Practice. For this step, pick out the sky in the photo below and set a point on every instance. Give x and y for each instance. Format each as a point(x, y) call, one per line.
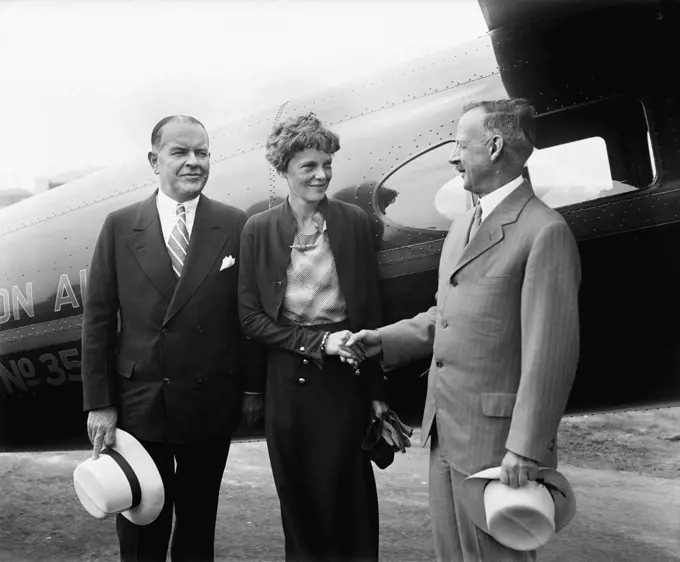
point(84, 83)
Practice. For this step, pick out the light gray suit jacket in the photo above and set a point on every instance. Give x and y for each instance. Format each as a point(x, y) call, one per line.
point(505, 334)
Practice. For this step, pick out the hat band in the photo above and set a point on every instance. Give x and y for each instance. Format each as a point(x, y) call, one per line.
point(550, 487)
point(129, 474)
point(547, 485)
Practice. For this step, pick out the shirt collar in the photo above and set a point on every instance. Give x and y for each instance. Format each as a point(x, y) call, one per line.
point(492, 200)
point(167, 205)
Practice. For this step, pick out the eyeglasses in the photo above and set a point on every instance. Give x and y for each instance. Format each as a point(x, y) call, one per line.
point(460, 145)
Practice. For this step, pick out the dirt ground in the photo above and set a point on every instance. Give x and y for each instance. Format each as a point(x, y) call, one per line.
point(644, 442)
point(624, 468)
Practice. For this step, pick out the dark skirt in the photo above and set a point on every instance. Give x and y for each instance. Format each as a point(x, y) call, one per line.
point(315, 421)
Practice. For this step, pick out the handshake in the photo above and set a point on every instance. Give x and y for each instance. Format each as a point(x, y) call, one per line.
point(353, 348)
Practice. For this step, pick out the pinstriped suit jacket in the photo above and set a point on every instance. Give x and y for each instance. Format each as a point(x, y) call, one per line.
point(505, 335)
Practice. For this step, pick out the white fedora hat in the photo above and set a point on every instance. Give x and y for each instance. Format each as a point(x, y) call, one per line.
point(520, 518)
point(124, 479)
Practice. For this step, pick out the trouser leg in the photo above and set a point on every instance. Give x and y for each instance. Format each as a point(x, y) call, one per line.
point(456, 537)
point(447, 541)
point(198, 477)
point(149, 543)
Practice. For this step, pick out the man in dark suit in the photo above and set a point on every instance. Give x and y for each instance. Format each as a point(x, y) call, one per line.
point(504, 333)
point(163, 354)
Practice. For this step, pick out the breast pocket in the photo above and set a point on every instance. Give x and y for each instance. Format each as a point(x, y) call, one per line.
point(224, 272)
point(222, 281)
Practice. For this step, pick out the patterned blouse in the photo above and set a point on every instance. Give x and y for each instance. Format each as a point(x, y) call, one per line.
point(313, 293)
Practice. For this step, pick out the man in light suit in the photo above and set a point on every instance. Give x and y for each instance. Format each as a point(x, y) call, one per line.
point(504, 332)
point(163, 354)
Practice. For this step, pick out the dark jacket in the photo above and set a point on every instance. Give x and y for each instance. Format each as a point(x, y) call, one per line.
point(265, 252)
point(168, 353)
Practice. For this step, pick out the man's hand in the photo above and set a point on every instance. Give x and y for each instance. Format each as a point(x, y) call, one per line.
point(252, 409)
point(380, 408)
point(516, 470)
point(367, 343)
point(101, 428)
point(335, 345)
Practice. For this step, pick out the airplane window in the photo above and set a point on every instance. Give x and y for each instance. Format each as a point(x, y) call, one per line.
point(573, 172)
point(423, 193)
point(591, 151)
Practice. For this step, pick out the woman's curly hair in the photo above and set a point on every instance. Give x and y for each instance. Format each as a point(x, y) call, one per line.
point(296, 134)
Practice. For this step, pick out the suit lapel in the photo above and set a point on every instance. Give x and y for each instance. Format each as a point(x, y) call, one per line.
point(491, 231)
point(205, 245)
point(148, 248)
point(455, 243)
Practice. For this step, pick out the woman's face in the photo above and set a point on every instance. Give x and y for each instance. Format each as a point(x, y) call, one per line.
point(308, 174)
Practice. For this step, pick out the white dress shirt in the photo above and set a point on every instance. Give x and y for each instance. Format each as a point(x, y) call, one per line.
point(490, 201)
point(167, 212)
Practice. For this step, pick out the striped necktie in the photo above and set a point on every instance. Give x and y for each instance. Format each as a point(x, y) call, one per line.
point(476, 221)
point(178, 243)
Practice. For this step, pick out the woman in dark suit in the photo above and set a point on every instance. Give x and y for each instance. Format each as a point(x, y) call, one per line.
point(308, 276)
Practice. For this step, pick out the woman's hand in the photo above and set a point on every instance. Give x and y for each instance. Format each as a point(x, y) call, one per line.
point(380, 408)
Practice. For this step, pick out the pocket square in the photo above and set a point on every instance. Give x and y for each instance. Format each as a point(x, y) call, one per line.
point(227, 262)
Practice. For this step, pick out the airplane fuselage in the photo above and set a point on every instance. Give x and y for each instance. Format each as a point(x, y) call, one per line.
point(396, 130)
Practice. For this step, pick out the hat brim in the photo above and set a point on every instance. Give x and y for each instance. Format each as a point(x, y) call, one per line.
point(153, 491)
point(473, 495)
point(85, 500)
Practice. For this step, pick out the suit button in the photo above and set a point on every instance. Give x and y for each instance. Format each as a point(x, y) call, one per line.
point(305, 361)
point(439, 364)
point(199, 380)
point(166, 380)
point(301, 380)
point(454, 283)
point(444, 323)
point(199, 329)
point(164, 332)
